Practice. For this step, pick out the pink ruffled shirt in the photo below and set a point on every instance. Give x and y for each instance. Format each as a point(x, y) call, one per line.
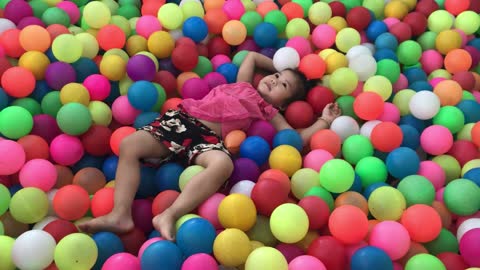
point(236, 106)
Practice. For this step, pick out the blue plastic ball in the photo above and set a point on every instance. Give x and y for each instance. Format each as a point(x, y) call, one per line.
point(290, 137)
point(386, 41)
point(420, 86)
point(154, 234)
point(370, 257)
point(145, 118)
point(85, 67)
point(109, 167)
point(474, 175)
point(195, 28)
point(375, 29)
point(471, 110)
point(14, 188)
point(229, 71)
point(196, 235)
point(385, 54)
point(402, 162)
point(371, 188)
point(88, 161)
point(147, 185)
point(163, 254)
point(108, 244)
point(41, 89)
point(142, 95)
point(167, 176)
point(114, 93)
point(255, 148)
point(265, 35)
point(411, 137)
point(415, 74)
point(411, 120)
point(3, 99)
point(281, 43)
point(475, 43)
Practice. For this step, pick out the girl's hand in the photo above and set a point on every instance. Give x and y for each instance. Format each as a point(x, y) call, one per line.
point(331, 112)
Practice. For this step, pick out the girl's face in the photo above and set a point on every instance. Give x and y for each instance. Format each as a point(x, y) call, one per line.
point(277, 88)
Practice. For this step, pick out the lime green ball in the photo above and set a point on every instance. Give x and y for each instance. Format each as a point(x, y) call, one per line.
point(402, 100)
point(39, 7)
point(100, 112)
point(424, 261)
point(388, 69)
point(239, 57)
point(380, 85)
point(305, 4)
point(468, 21)
point(2, 229)
point(185, 218)
point(462, 197)
point(343, 81)
point(129, 11)
point(427, 40)
point(51, 103)
point(54, 15)
point(376, 6)
point(417, 190)
point(112, 5)
point(347, 38)
point(466, 132)
point(371, 170)
point(346, 105)
point(409, 52)
point(251, 19)
point(30, 104)
point(66, 48)
point(356, 147)
point(261, 232)
point(440, 73)
point(445, 242)
point(203, 67)
point(6, 245)
point(337, 175)
point(4, 199)
point(192, 9)
point(74, 118)
point(323, 194)
point(386, 203)
point(15, 122)
point(297, 27)
point(466, 95)
point(76, 251)
point(162, 96)
point(187, 175)
point(450, 117)
point(170, 16)
point(29, 205)
point(440, 20)
point(96, 15)
point(289, 223)
point(303, 180)
point(450, 165)
point(278, 19)
point(349, 4)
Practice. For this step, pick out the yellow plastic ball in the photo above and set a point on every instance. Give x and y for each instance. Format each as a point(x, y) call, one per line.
point(116, 51)
point(96, 14)
point(74, 92)
point(472, 164)
point(67, 48)
point(380, 85)
point(136, 44)
point(89, 43)
point(319, 13)
point(187, 175)
point(325, 53)
point(237, 211)
point(402, 100)
point(335, 61)
point(232, 247)
point(303, 180)
point(110, 184)
point(185, 218)
point(101, 113)
point(347, 38)
point(170, 16)
point(468, 21)
point(113, 67)
point(386, 203)
point(192, 9)
point(411, 4)
point(450, 165)
point(35, 61)
point(447, 41)
point(261, 231)
point(6, 245)
point(124, 84)
point(234, 32)
point(338, 23)
point(29, 205)
point(396, 9)
point(285, 158)
point(266, 258)
point(289, 223)
point(466, 132)
point(256, 244)
point(297, 27)
point(161, 44)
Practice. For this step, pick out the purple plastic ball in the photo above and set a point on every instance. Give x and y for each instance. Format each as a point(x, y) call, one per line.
point(268, 52)
point(16, 10)
point(214, 79)
point(262, 129)
point(30, 21)
point(248, 45)
point(195, 88)
point(166, 64)
point(45, 126)
point(244, 169)
point(141, 68)
point(59, 74)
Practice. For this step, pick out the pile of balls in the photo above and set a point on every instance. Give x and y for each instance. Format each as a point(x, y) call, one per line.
point(393, 184)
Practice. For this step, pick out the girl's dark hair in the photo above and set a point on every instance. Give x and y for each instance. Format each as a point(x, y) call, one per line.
point(303, 86)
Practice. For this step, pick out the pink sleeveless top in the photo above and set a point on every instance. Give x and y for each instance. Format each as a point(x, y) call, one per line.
point(234, 105)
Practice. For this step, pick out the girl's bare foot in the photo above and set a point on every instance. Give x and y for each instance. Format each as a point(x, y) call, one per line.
point(111, 222)
point(165, 224)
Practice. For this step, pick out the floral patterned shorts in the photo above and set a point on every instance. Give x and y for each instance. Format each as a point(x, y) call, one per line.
point(184, 135)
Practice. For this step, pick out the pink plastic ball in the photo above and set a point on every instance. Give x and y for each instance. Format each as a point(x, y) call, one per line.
point(323, 36)
point(476, 94)
point(71, 9)
point(219, 60)
point(400, 84)
point(290, 251)
point(391, 237)
point(12, 157)
point(262, 128)
point(390, 22)
point(214, 79)
point(351, 249)
point(300, 44)
point(122, 261)
point(433, 172)
point(16, 10)
point(390, 113)
point(98, 86)
point(433, 82)
point(195, 88)
point(363, 37)
point(470, 247)
point(234, 9)
point(397, 266)
point(358, 90)
point(147, 244)
point(439, 194)
point(316, 158)
point(306, 262)
point(30, 21)
point(436, 140)
point(147, 24)
point(60, 144)
point(45, 126)
point(431, 60)
point(123, 112)
point(39, 173)
point(209, 209)
point(200, 261)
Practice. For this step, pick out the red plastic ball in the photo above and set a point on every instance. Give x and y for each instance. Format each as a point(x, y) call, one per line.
point(277, 175)
point(111, 37)
point(417, 22)
point(60, 228)
point(292, 10)
point(133, 240)
point(218, 45)
point(10, 41)
point(184, 57)
point(474, 6)
point(338, 9)
point(202, 50)
point(71, 202)
point(184, 41)
point(18, 82)
point(151, 7)
point(163, 200)
point(426, 7)
point(422, 222)
point(167, 80)
point(35, 147)
point(358, 18)
point(341, 220)
point(452, 261)
point(267, 195)
point(102, 202)
point(96, 141)
point(318, 97)
point(171, 103)
point(317, 211)
point(456, 7)
point(464, 151)
point(326, 139)
point(466, 79)
point(312, 66)
point(368, 105)
point(330, 251)
point(118, 135)
point(402, 31)
point(299, 114)
point(386, 136)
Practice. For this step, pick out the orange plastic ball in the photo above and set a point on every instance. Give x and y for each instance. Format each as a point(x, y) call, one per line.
point(234, 139)
point(118, 135)
point(457, 60)
point(475, 132)
point(111, 37)
point(102, 202)
point(90, 178)
point(340, 224)
point(71, 202)
point(170, 104)
point(352, 198)
point(18, 82)
point(292, 10)
point(35, 147)
point(35, 38)
point(449, 92)
point(64, 176)
point(215, 20)
point(326, 139)
point(456, 7)
point(422, 222)
point(312, 66)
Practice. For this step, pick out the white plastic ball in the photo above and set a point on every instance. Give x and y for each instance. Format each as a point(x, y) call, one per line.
point(357, 50)
point(33, 250)
point(176, 34)
point(424, 105)
point(370, 46)
point(345, 126)
point(367, 127)
point(467, 225)
point(51, 195)
point(243, 187)
point(364, 65)
point(6, 24)
point(285, 58)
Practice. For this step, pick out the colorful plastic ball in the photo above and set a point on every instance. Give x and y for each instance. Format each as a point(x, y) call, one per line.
point(306, 262)
point(74, 118)
point(202, 260)
point(123, 111)
point(268, 194)
point(71, 202)
point(300, 44)
point(246, 212)
point(142, 95)
point(312, 66)
point(409, 187)
point(447, 41)
point(457, 60)
point(18, 82)
point(96, 15)
point(72, 143)
point(339, 183)
point(29, 205)
point(66, 48)
point(347, 38)
point(300, 114)
point(265, 35)
point(98, 86)
point(323, 36)
point(187, 175)
point(102, 202)
point(76, 250)
point(329, 250)
point(184, 58)
point(41, 244)
point(368, 105)
point(371, 257)
point(255, 148)
point(289, 223)
point(122, 260)
point(391, 237)
point(39, 34)
point(433, 172)
point(60, 228)
point(232, 247)
point(286, 58)
point(343, 81)
point(38, 173)
point(196, 236)
point(469, 247)
point(385, 130)
point(402, 162)
point(59, 74)
point(423, 261)
point(234, 32)
point(467, 21)
point(460, 197)
point(303, 180)
point(195, 28)
point(89, 178)
point(16, 122)
point(436, 140)
point(267, 258)
point(424, 105)
point(285, 158)
point(425, 217)
point(74, 92)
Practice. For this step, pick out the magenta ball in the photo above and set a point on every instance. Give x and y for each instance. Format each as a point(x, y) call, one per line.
point(214, 79)
point(60, 144)
point(436, 140)
point(431, 60)
point(200, 261)
point(209, 209)
point(71, 9)
point(38, 173)
point(195, 88)
point(12, 157)
point(147, 244)
point(316, 158)
point(248, 45)
point(30, 21)
point(433, 82)
point(390, 113)
point(300, 44)
point(142, 215)
point(323, 36)
point(244, 169)
point(146, 25)
point(263, 129)
point(141, 68)
point(45, 126)
point(219, 60)
point(401, 83)
point(122, 261)
point(234, 9)
point(391, 237)
point(474, 53)
point(290, 251)
point(59, 74)
point(433, 172)
point(306, 262)
point(470, 247)
point(123, 112)
point(16, 10)
point(98, 86)
point(397, 266)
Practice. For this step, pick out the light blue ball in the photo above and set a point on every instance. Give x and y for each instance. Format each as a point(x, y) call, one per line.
point(142, 95)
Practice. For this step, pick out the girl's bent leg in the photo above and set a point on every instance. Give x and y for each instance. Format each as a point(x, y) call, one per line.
point(140, 144)
point(218, 168)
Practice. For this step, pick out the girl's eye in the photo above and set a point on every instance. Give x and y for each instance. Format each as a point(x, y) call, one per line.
point(285, 85)
point(277, 75)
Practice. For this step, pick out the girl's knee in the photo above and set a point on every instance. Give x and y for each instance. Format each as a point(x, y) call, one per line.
point(130, 145)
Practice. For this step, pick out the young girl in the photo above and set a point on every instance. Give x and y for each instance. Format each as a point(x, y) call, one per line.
point(195, 132)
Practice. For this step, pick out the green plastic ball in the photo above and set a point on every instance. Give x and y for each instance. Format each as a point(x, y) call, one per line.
point(162, 96)
point(29, 205)
point(278, 19)
point(417, 190)
point(51, 103)
point(337, 175)
point(424, 261)
point(409, 52)
point(251, 19)
point(427, 40)
point(450, 165)
point(356, 147)
point(450, 117)
point(305, 4)
point(15, 122)
point(445, 242)
point(4, 199)
point(54, 15)
point(323, 194)
point(203, 67)
point(39, 7)
point(345, 103)
point(462, 197)
point(371, 170)
point(30, 104)
point(239, 57)
point(128, 11)
point(389, 69)
point(74, 118)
